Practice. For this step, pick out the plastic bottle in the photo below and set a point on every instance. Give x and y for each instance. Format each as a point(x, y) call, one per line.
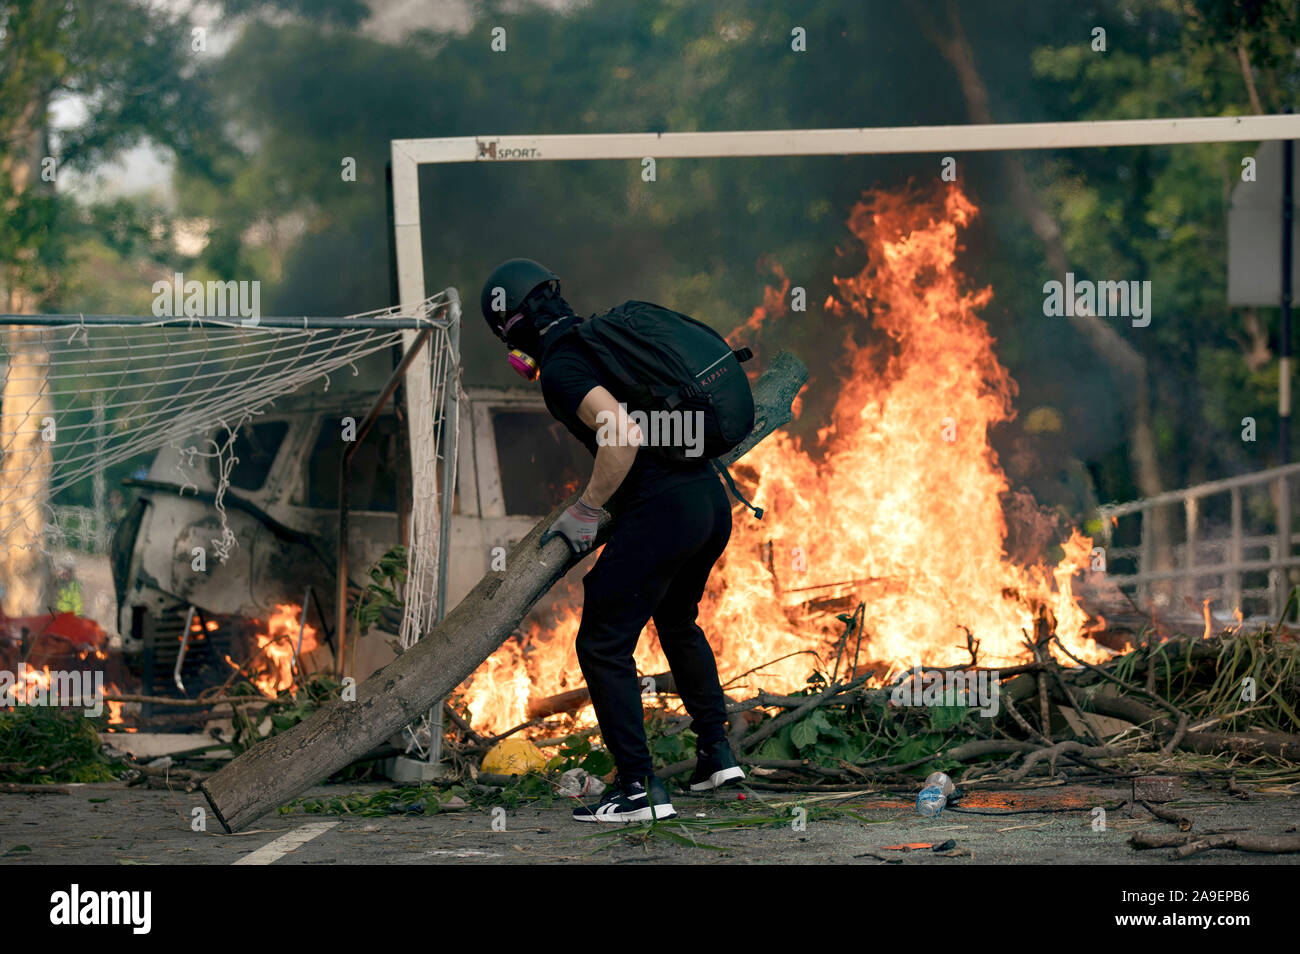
point(934, 796)
point(943, 781)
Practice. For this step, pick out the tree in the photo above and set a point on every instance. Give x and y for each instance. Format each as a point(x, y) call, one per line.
point(139, 72)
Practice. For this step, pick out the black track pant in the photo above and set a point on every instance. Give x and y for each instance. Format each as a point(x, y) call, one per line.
point(654, 565)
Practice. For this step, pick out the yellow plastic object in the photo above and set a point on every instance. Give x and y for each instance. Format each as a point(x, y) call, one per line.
point(513, 757)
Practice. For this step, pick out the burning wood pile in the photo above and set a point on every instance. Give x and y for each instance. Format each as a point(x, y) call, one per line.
point(48, 737)
point(217, 658)
point(883, 570)
point(1218, 707)
point(899, 503)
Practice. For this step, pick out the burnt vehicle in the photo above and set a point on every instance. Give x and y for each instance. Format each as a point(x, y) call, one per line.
point(187, 619)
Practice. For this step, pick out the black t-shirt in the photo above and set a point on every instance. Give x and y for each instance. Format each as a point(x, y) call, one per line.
point(568, 373)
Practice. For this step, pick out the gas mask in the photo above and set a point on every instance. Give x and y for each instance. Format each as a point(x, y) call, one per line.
point(523, 331)
point(520, 333)
point(523, 365)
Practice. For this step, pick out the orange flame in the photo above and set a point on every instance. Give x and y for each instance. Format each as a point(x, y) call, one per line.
point(272, 670)
point(897, 504)
point(773, 307)
point(30, 684)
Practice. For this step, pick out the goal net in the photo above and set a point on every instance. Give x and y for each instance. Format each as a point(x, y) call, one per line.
point(86, 400)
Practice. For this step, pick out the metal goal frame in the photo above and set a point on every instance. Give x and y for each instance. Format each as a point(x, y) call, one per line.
point(408, 155)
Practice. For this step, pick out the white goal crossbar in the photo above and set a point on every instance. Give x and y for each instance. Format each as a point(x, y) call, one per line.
point(409, 154)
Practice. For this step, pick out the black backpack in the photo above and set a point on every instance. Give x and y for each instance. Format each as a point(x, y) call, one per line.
point(667, 361)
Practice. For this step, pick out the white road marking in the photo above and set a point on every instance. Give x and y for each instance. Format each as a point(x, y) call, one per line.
point(286, 843)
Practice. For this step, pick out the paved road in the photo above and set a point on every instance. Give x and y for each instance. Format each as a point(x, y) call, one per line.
point(112, 824)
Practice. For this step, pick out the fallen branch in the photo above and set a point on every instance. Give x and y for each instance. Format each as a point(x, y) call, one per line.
point(1090, 727)
point(1058, 749)
point(1279, 745)
point(1187, 845)
point(966, 752)
point(575, 699)
point(777, 724)
point(796, 765)
point(190, 703)
point(1176, 739)
point(1260, 844)
point(768, 700)
point(1120, 682)
point(782, 787)
point(1167, 814)
point(461, 724)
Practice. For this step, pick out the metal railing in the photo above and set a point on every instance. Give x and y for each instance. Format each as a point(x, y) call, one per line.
point(1186, 568)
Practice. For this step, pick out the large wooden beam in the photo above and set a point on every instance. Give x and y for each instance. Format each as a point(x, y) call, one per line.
point(282, 767)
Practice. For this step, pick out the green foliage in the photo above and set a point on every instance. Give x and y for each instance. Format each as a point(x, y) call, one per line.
point(429, 799)
point(284, 713)
point(406, 800)
point(834, 736)
point(44, 745)
point(577, 752)
point(54, 50)
point(1215, 689)
point(380, 594)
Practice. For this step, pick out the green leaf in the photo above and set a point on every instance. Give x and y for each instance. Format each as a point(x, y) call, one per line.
point(575, 747)
point(804, 734)
point(598, 763)
point(846, 749)
point(917, 747)
point(687, 839)
point(669, 748)
point(825, 727)
point(943, 718)
point(777, 747)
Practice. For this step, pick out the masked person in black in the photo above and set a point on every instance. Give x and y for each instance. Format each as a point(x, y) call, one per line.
point(674, 521)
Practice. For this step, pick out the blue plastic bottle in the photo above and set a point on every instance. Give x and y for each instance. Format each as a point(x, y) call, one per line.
point(934, 796)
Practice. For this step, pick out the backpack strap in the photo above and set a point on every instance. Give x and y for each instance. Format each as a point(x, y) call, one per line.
point(731, 485)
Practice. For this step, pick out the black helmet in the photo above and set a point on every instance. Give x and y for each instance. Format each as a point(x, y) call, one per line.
point(518, 278)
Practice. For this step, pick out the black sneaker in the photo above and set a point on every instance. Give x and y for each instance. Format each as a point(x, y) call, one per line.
point(715, 768)
point(625, 802)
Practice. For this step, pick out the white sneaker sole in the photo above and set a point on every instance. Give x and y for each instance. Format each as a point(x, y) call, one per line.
point(718, 778)
point(657, 813)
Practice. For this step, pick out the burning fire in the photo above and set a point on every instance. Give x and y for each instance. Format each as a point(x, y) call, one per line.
point(897, 505)
point(30, 683)
point(272, 669)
